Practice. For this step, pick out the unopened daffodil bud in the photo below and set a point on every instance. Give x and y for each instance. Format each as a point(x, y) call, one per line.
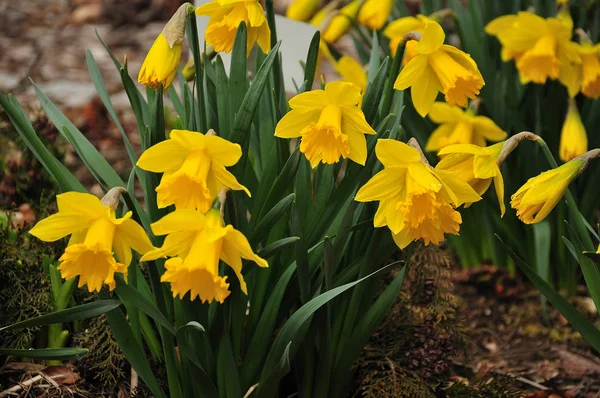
point(341, 23)
point(540, 194)
point(302, 10)
point(573, 138)
point(161, 63)
point(375, 13)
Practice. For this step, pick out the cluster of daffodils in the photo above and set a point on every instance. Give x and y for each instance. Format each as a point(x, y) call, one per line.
point(194, 173)
point(542, 50)
point(416, 200)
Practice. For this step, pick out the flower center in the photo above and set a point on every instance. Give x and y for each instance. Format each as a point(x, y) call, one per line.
point(540, 62)
point(324, 140)
point(187, 188)
point(458, 83)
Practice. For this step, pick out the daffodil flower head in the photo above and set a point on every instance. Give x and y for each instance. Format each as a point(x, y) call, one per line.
point(341, 22)
point(460, 127)
point(396, 30)
point(541, 47)
point(573, 138)
point(439, 67)
point(374, 13)
point(225, 18)
point(161, 62)
point(96, 234)
point(196, 242)
point(590, 68)
point(302, 10)
point(540, 194)
point(475, 165)
point(416, 202)
point(194, 169)
point(329, 124)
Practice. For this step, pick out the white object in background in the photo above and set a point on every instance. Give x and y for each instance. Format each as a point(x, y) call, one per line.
point(295, 39)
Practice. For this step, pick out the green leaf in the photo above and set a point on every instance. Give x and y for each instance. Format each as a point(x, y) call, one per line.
point(291, 329)
point(364, 329)
point(271, 381)
point(311, 60)
point(575, 318)
point(375, 59)
point(60, 354)
point(131, 348)
point(227, 371)
point(96, 76)
point(83, 311)
point(132, 296)
point(243, 119)
point(542, 237)
point(278, 245)
point(63, 177)
point(93, 160)
point(238, 75)
point(374, 92)
point(271, 218)
point(204, 382)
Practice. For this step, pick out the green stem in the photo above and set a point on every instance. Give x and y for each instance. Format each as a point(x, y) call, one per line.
point(195, 47)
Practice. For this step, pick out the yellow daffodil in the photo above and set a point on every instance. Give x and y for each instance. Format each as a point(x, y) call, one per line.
point(460, 127)
point(415, 201)
point(540, 194)
point(397, 29)
point(194, 169)
point(590, 69)
point(573, 138)
point(96, 233)
point(226, 16)
point(196, 242)
point(540, 47)
point(162, 61)
point(475, 165)
point(341, 22)
point(302, 10)
point(439, 67)
point(329, 123)
point(374, 13)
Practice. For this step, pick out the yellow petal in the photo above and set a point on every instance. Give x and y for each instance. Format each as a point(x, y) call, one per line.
point(179, 220)
point(411, 73)
point(424, 176)
point(122, 250)
point(385, 184)
point(231, 257)
point(353, 119)
point(175, 244)
point(315, 99)
point(424, 91)
point(264, 38)
point(351, 71)
point(134, 236)
point(293, 122)
point(188, 139)
point(238, 241)
point(464, 148)
point(459, 191)
point(432, 38)
point(84, 204)
point(441, 112)
point(222, 151)
point(358, 147)
point(499, 187)
point(342, 93)
point(58, 226)
point(164, 157)
point(392, 153)
point(225, 178)
point(488, 129)
point(402, 239)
